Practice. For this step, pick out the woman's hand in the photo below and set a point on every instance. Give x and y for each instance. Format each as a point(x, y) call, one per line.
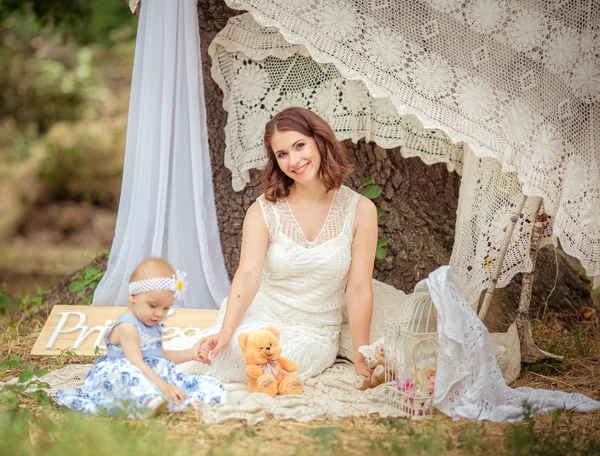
point(211, 345)
point(361, 368)
point(173, 392)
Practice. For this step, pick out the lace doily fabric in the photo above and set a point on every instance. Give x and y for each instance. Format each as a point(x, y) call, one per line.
point(261, 73)
point(488, 199)
point(515, 81)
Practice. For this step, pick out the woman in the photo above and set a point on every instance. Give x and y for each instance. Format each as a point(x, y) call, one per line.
point(308, 249)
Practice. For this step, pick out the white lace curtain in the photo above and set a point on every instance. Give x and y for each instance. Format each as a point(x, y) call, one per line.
point(510, 87)
point(167, 203)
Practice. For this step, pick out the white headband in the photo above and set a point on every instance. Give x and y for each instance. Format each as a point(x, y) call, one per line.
point(177, 284)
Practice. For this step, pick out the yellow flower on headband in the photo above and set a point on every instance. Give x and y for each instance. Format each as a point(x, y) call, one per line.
point(180, 284)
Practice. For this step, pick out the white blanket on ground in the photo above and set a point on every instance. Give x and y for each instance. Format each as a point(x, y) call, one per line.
point(332, 394)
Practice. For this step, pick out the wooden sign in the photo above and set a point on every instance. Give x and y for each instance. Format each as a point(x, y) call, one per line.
point(81, 329)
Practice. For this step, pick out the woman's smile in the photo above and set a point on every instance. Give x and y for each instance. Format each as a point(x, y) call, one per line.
point(299, 171)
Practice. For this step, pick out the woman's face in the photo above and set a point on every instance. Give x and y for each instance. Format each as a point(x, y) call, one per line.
point(297, 155)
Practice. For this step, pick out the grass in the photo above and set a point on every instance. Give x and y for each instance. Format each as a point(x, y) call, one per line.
point(56, 432)
point(34, 425)
point(46, 433)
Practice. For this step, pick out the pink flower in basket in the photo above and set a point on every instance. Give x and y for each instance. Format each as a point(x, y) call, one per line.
point(405, 384)
point(431, 383)
point(420, 394)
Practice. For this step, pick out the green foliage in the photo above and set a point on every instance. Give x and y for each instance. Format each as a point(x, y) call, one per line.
point(84, 20)
point(5, 300)
point(85, 284)
point(26, 303)
point(546, 366)
point(45, 80)
point(328, 437)
point(29, 377)
point(16, 144)
point(72, 434)
point(470, 439)
point(47, 11)
point(46, 52)
point(560, 439)
point(578, 341)
point(107, 23)
point(60, 169)
point(584, 345)
point(81, 165)
point(520, 439)
point(429, 442)
point(230, 446)
point(381, 253)
point(370, 189)
point(405, 440)
point(373, 191)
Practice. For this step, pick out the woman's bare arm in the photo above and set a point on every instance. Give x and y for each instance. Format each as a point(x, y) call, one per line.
point(246, 281)
point(359, 292)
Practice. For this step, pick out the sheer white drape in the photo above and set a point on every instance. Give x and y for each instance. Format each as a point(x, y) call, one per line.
point(167, 204)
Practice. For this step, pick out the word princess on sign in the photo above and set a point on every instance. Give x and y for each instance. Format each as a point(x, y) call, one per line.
point(85, 331)
point(82, 329)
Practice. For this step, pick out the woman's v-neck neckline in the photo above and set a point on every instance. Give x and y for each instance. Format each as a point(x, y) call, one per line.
point(324, 223)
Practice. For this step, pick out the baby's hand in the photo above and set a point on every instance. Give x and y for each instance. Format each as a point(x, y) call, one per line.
point(195, 350)
point(198, 352)
point(173, 392)
point(204, 352)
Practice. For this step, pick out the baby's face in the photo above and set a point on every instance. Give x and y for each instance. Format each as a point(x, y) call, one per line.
point(152, 307)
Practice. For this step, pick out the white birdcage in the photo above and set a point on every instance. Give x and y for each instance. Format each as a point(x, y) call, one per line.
point(411, 351)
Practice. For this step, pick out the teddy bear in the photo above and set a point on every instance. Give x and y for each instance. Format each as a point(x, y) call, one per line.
point(265, 366)
point(375, 357)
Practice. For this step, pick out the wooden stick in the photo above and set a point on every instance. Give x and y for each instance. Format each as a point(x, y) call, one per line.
point(498, 268)
point(552, 379)
point(527, 284)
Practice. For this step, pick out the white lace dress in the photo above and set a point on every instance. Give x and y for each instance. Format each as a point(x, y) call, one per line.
point(302, 292)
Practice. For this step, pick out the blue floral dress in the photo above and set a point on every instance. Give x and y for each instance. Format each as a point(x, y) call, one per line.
point(115, 386)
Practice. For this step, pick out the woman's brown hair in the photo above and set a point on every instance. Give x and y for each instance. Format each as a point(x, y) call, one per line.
point(335, 166)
